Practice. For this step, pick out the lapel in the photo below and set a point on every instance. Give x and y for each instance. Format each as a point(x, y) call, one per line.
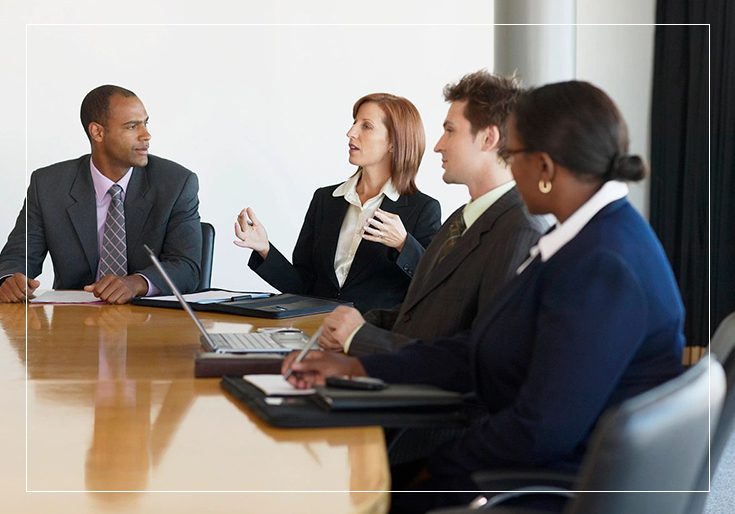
point(466, 245)
point(481, 326)
point(335, 209)
point(137, 207)
point(83, 212)
point(368, 251)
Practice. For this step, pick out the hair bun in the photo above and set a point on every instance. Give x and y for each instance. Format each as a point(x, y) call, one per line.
point(627, 168)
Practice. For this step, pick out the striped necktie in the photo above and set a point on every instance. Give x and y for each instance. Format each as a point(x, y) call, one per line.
point(456, 229)
point(114, 255)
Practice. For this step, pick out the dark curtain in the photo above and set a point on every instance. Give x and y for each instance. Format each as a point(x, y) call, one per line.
point(691, 209)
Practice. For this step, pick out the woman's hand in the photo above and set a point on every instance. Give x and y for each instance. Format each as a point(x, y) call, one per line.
point(387, 229)
point(251, 233)
point(316, 366)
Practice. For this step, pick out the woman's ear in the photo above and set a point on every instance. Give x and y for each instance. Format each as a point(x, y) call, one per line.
point(547, 169)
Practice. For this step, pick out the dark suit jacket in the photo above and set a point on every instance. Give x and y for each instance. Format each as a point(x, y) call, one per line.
point(161, 210)
point(379, 275)
point(445, 297)
point(599, 322)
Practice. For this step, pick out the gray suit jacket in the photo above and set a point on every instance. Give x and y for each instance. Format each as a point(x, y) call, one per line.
point(161, 210)
point(444, 297)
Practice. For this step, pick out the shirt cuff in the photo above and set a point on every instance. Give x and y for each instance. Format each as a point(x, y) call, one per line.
point(348, 341)
point(152, 289)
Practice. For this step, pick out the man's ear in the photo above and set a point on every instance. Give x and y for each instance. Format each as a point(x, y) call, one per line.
point(491, 138)
point(96, 131)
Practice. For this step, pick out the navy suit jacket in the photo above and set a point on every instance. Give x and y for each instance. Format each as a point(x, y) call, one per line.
point(379, 275)
point(599, 322)
point(161, 210)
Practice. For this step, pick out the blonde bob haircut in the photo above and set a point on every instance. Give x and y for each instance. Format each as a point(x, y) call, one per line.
point(406, 133)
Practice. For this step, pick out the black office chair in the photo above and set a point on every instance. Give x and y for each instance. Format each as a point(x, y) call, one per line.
point(205, 278)
point(653, 442)
point(721, 346)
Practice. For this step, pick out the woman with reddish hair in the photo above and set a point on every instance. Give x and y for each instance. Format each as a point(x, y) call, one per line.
point(361, 240)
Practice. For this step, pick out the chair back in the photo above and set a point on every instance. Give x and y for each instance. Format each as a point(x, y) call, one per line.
point(721, 346)
point(723, 342)
point(205, 278)
point(656, 441)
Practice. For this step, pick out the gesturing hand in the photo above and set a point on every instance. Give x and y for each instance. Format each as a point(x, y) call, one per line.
point(387, 229)
point(251, 233)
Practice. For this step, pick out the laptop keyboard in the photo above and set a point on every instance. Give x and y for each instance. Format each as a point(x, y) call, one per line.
point(254, 340)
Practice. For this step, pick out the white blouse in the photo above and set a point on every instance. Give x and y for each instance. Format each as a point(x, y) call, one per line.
point(350, 235)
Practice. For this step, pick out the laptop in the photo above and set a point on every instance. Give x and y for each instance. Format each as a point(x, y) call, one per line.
point(274, 342)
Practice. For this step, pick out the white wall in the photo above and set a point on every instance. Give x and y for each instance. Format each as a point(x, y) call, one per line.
point(619, 59)
point(259, 112)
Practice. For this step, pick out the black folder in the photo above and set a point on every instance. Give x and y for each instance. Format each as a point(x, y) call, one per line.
point(394, 396)
point(309, 411)
point(275, 307)
point(212, 364)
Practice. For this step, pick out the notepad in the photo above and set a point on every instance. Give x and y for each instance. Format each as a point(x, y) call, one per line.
point(65, 296)
point(213, 296)
point(275, 385)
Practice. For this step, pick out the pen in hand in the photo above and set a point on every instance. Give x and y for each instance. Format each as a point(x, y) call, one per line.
point(303, 352)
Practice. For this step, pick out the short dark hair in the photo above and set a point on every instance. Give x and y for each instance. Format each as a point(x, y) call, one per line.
point(490, 100)
point(96, 105)
point(406, 132)
point(581, 128)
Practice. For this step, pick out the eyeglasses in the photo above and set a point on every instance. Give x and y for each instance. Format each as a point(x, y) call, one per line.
point(508, 154)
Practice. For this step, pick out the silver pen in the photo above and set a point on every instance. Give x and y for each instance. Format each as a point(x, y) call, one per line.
point(313, 339)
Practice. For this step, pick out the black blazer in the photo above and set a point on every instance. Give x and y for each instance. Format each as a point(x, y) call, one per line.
point(379, 276)
point(161, 210)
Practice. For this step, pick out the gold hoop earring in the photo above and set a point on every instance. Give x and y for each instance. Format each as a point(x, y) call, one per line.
point(544, 187)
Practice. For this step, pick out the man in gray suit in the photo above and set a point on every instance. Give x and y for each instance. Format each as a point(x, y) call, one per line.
point(479, 247)
point(93, 214)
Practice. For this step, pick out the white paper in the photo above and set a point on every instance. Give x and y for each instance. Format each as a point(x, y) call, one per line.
point(210, 296)
point(63, 296)
point(275, 385)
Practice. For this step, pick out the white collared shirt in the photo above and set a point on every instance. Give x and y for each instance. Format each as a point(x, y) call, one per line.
point(477, 207)
point(554, 241)
point(350, 235)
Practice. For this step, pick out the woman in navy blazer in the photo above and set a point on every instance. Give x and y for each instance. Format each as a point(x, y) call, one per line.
point(593, 317)
point(361, 240)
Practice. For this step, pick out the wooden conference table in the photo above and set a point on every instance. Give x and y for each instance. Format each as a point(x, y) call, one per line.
point(111, 404)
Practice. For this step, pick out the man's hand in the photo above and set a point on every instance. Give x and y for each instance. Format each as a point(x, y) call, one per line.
point(338, 326)
point(119, 290)
point(17, 288)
